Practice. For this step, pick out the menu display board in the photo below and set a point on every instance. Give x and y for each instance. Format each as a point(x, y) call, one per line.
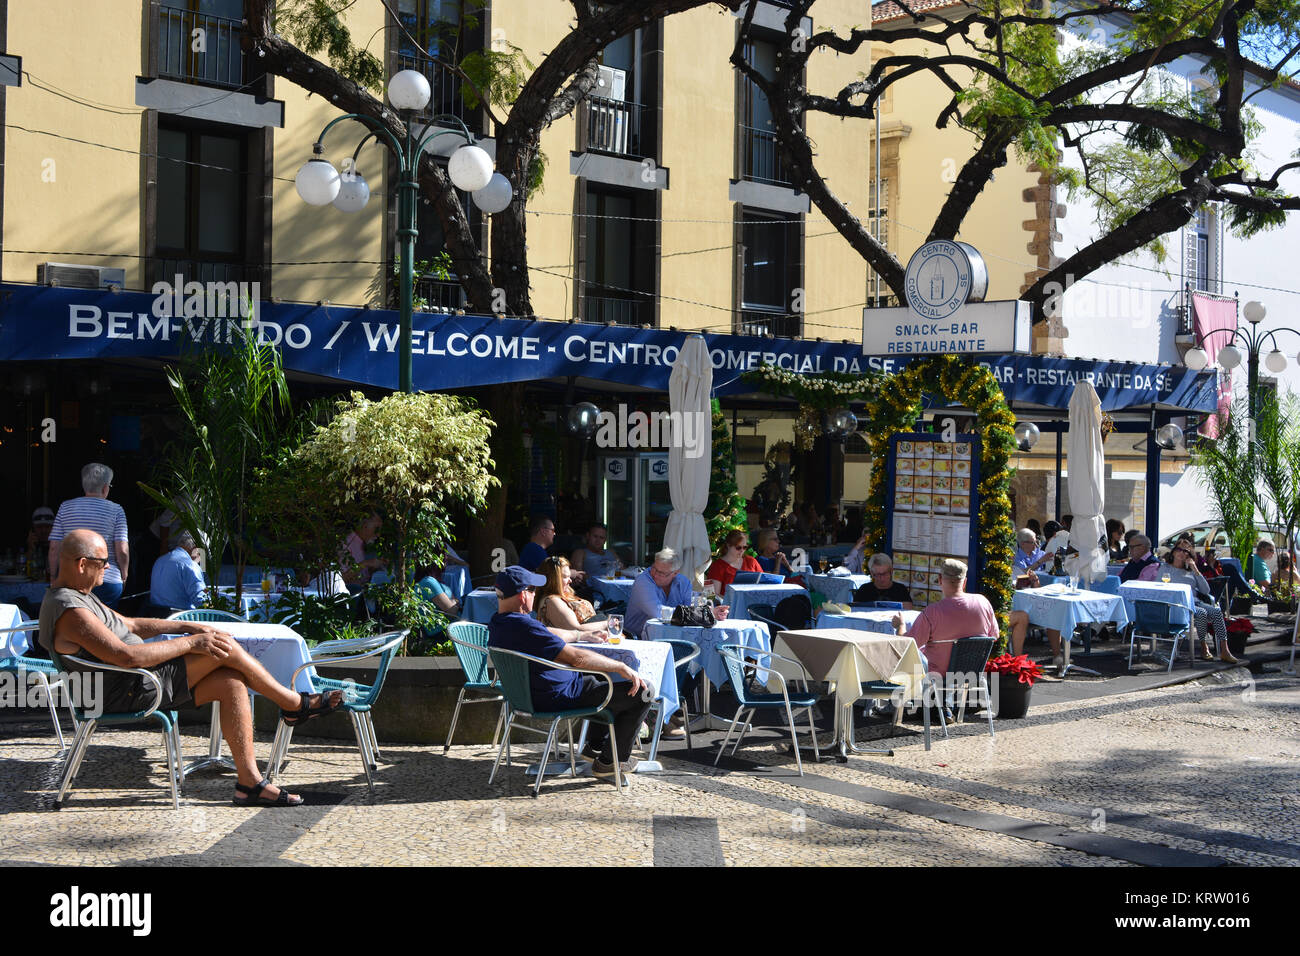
point(934, 509)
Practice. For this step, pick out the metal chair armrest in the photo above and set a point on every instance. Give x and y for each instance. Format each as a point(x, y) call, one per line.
point(679, 661)
point(150, 676)
point(25, 626)
point(350, 645)
point(394, 638)
point(780, 657)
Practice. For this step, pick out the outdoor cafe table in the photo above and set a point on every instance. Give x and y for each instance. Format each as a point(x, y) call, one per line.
point(613, 589)
point(848, 659)
point(879, 622)
point(1176, 594)
point(479, 605)
point(740, 596)
point(838, 587)
point(256, 605)
point(277, 648)
point(15, 644)
point(1055, 607)
point(753, 634)
point(654, 664)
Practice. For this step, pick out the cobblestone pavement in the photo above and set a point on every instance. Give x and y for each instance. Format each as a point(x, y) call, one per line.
point(1201, 774)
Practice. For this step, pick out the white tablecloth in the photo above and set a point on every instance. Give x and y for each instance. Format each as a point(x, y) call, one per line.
point(1177, 594)
point(256, 606)
point(731, 631)
point(878, 622)
point(849, 658)
point(838, 588)
point(740, 596)
point(279, 649)
point(653, 663)
point(16, 644)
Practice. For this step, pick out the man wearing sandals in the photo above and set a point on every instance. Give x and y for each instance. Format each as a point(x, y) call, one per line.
point(202, 665)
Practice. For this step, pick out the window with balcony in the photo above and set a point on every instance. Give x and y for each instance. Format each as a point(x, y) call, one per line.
point(760, 157)
point(619, 116)
point(199, 42)
point(620, 258)
point(430, 242)
point(1203, 251)
point(433, 34)
point(772, 271)
point(201, 224)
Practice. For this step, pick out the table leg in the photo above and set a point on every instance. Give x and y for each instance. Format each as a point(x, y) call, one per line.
point(705, 719)
point(1067, 666)
point(214, 758)
point(846, 740)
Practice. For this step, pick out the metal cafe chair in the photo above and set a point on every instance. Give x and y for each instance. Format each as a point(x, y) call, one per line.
point(471, 644)
point(733, 656)
point(49, 676)
point(1160, 622)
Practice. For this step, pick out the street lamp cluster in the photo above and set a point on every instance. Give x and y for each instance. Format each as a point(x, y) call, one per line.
point(1252, 340)
point(469, 168)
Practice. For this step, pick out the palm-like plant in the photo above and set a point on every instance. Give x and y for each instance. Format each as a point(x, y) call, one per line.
point(1227, 469)
point(233, 401)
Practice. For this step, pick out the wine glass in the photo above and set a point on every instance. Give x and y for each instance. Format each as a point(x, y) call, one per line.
point(823, 564)
point(615, 626)
point(1165, 577)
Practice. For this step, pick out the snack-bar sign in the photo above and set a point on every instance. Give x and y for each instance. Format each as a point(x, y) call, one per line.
point(945, 284)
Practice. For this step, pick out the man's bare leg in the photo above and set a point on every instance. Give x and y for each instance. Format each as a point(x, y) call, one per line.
point(227, 688)
point(1019, 622)
point(255, 676)
point(1054, 638)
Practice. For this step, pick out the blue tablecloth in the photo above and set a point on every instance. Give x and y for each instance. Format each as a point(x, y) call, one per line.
point(880, 622)
point(456, 578)
point(1053, 607)
point(613, 589)
point(731, 631)
point(16, 644)
point(836, 587)
point(1177, 594)
point(479, 605)
point(33, 592)
point(652, 661)
point(740, 596)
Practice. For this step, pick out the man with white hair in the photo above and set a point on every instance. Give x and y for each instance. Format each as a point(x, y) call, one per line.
point(657, 586)
point(176, 581)
point(1142, 564)
point(945, 622)
point(94, 512)
point(882, 586)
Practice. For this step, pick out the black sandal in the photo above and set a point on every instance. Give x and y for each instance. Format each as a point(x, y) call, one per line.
point(308, 710)
point(253, 796)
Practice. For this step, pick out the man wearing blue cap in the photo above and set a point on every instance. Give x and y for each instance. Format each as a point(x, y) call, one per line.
point(512, 629)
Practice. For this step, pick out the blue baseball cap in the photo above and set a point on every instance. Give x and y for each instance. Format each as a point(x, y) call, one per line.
point(515, 578)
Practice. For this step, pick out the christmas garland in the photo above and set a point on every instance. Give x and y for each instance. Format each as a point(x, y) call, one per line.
point(725, 510)
point(896, 409)
point(814, 393)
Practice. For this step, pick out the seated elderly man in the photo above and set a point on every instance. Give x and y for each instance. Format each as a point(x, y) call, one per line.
point(657, 586)
point(1257, 570)
point(176, 581)
point(882, 586)
point(201, 665)
point(1029, 556)
point(945, 622)
point(513, 629)
point(1142, 564)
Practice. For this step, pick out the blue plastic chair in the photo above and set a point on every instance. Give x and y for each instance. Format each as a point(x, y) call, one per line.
point(358, 699)
point(50, 677)
point(206, 615)
point(513, 669)
point(1160, 622)
point(471, 642)
point(734, 657)
point(86, 728)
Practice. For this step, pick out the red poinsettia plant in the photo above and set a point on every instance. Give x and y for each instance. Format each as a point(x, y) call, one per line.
point(1240, 625)
point(1019, 664)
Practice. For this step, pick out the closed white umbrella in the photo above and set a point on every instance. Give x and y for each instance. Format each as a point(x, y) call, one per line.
point(1087, 463)
point(690, 457)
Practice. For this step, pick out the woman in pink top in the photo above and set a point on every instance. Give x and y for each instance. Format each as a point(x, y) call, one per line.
point(958, 615)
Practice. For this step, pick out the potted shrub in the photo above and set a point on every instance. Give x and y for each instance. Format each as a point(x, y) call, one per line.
point(1016, 676)
point(1282, 599)
point(1238, 629)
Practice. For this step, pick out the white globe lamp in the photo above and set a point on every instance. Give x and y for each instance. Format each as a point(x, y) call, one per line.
point(1196, 359)
point(408, 90)
point(470, 169)
point(353, 195)
point(1254, 311)
point(495, 196)
point(1275, 361)
point(1230, 357)
point(318, 182)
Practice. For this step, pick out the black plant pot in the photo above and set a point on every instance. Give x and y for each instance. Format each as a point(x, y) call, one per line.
point(1237, 642)
point(1013, 697)
point(1281, 607)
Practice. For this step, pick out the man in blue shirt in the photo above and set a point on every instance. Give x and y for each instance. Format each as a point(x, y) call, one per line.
point(176, 581)
point(1029, 557)
point(658, 586)
point(542, 534)
point(512, 629)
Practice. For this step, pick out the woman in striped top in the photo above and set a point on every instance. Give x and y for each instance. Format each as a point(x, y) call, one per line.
point(96, 513)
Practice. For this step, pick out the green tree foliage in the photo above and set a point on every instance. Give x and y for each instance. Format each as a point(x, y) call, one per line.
point(725, 510)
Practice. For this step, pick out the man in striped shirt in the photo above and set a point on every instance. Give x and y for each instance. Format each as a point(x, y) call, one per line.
point(95, 512)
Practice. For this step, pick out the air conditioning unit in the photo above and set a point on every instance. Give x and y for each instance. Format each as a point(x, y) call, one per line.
point(68, 275)
point(611, 83)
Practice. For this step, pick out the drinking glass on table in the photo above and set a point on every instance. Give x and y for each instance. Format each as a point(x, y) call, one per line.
point(615, 626)
point(823, 564)
point(1165, 577)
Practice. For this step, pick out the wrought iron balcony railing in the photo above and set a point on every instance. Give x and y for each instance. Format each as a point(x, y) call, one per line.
point(199, 47)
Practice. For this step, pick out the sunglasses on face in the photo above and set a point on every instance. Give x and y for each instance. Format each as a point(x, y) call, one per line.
point(102, 561)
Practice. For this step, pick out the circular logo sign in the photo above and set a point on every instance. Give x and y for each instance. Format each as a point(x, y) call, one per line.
point(938, 280)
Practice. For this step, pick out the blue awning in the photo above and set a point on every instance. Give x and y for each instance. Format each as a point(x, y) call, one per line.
point(360, 346)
